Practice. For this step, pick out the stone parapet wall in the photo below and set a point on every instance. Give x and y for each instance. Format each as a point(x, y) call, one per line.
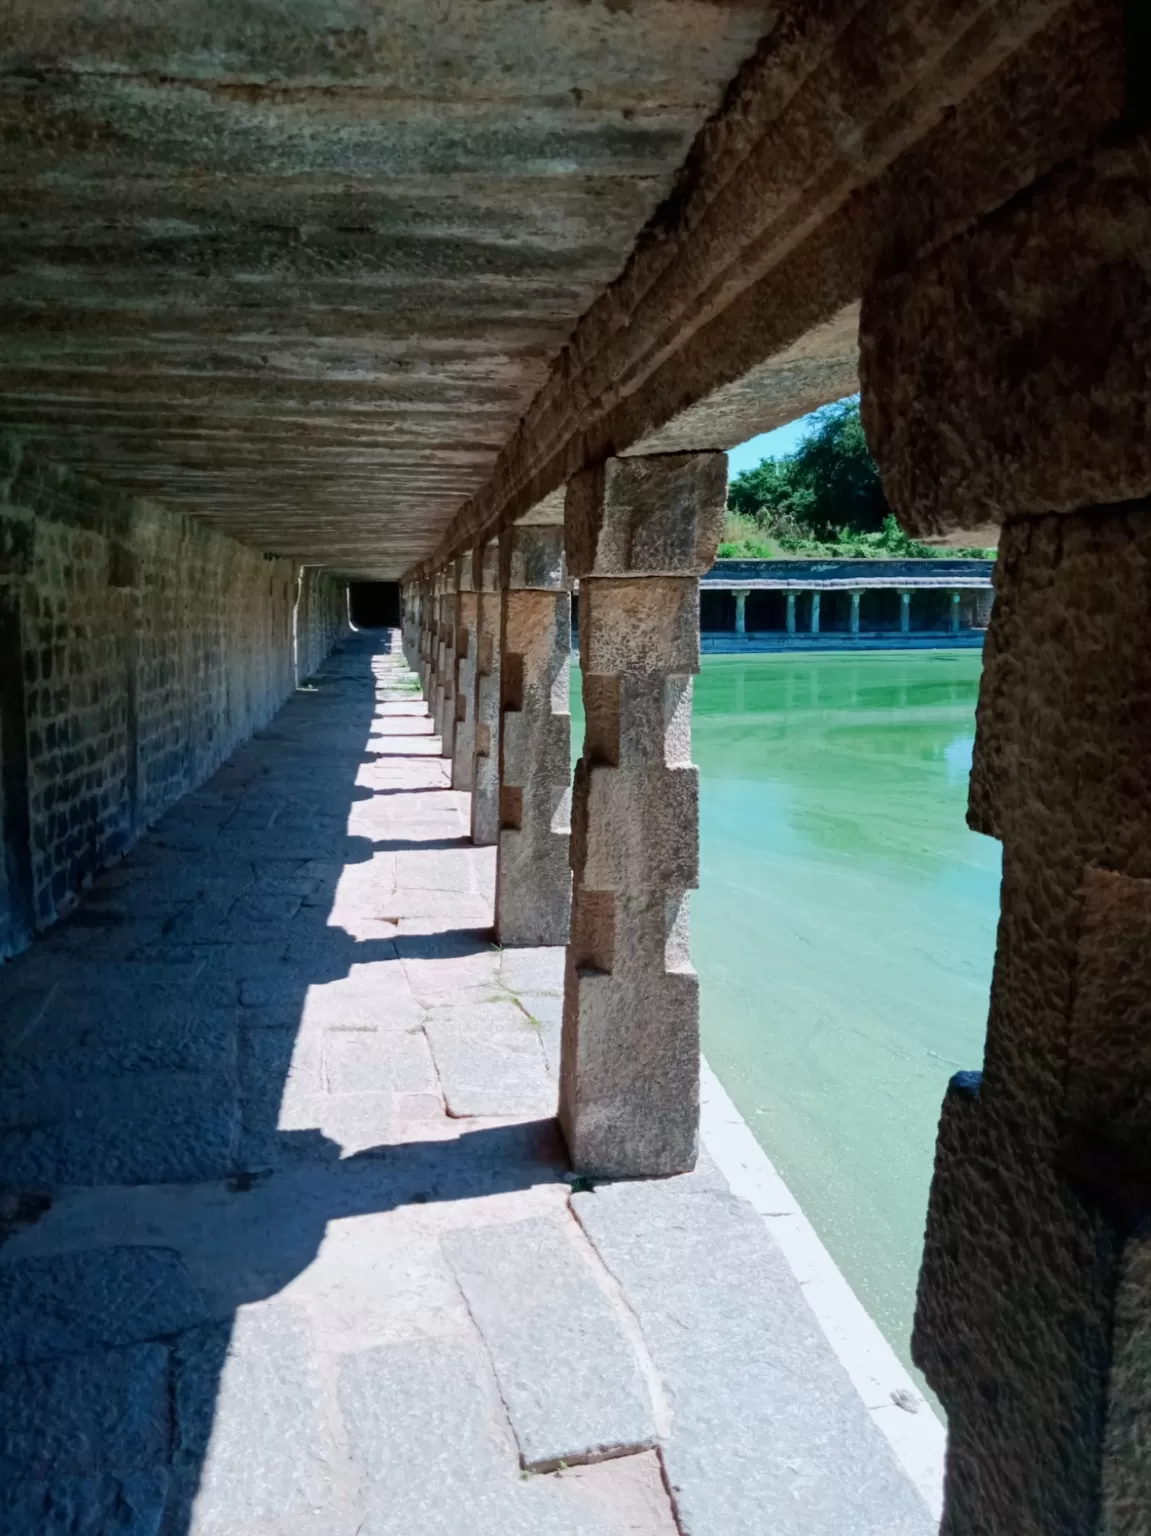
point(137, 650)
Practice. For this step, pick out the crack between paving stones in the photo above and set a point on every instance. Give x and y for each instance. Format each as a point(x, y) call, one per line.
point(633, 1329)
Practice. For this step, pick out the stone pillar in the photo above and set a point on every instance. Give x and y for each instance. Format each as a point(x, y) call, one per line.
point(855, 597)
point(489, 623)
point(791, 613)
point(446, 654)
point(431, 625)
point(905, 613)
point(815, 613)
point(1005, 379)
point(740, 610)
point(640, 533)
point(533, 875)
point(464, 742)
point(954, 616)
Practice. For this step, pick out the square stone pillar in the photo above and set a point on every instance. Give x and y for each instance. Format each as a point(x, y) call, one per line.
point(428, 644)
point(533, 875)
point(741, 596)
point(954, 615)
point(640, 533)
point(905, 613)
point(445, 716)
point(815, 613)
point(791, 613)
point(1006, 380)
point(489, 623)
point(464, 743)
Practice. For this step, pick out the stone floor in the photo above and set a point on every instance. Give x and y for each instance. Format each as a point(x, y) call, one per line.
point(289, 1242)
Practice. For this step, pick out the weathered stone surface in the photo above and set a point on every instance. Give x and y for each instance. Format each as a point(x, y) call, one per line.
point(467, 618)
point(174, 1125)
point(490, 1061)
point(629, 1077)
point(1008, 373)
point(489, 629)
point(104, 1412)
point(445, 696)
point(533, 875)
point(76, 1302)
point(565, 1367)
point(653, 516)
point(1040, 1167)
point(132, 1505)
point(258, 1424)
point(800, 1454)
point(439, 1461)
point(112, 714)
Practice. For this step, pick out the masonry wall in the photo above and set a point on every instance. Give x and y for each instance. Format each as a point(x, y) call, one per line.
point(137, 650)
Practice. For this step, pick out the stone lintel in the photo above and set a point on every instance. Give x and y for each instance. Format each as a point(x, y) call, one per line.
point(1007, 373)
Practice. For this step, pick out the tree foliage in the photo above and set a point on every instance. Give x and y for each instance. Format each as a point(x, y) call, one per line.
point(826, 498)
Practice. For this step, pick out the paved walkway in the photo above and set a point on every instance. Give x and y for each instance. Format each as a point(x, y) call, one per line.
point(291, 1245)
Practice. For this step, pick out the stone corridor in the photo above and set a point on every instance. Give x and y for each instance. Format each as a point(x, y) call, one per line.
point(297, 1251)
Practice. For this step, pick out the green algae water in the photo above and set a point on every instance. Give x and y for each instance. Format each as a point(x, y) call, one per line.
point(843, 931)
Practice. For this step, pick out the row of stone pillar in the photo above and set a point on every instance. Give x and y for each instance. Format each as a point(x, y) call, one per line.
point(603, 867)
point(741, 595)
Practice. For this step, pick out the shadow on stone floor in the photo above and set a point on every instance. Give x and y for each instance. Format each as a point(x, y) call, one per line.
point(216, 1058)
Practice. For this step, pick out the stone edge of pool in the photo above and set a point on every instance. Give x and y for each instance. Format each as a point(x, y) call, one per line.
point(914, 1432)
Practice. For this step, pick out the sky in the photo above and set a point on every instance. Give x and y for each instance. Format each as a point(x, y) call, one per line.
point(769, 445)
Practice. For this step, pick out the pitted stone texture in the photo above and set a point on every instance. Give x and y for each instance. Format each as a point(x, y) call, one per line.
point(132, 1505)
point(490, 1061)
point(629, 1075)
point(281, 1468)
point(439, 1461)
point(565, 1367)
point(489, 627)
point(965, 431)
point(653, 516)
point(1126, 1469)
point(1017, 1289)
point(800, 1455)
point(73, 1303)
point(533, 875)
point(85, 1415)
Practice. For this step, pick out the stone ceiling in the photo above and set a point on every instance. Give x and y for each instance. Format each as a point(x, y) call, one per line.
point(300, 266)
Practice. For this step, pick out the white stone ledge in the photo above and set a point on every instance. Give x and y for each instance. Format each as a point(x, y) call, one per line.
point(917, 1437)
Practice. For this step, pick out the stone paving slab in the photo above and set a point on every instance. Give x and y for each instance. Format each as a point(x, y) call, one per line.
point(132, 1505)
point(71, 1303)
point(768, 1432)
point(437, 1458)
point(282, 1464)
point(85, 1415)
point(490, 1061)
point(566, 1368)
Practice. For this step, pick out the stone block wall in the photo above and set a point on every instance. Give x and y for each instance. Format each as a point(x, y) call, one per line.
point(138, 648)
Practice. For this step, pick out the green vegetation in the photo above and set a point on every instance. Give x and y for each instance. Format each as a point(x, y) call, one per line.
point(825, 499)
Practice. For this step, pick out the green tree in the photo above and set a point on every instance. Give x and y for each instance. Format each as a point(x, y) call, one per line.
point(830, 483)
point(826, 498)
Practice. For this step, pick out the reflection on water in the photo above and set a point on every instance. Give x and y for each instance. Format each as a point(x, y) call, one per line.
point(844, 931)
